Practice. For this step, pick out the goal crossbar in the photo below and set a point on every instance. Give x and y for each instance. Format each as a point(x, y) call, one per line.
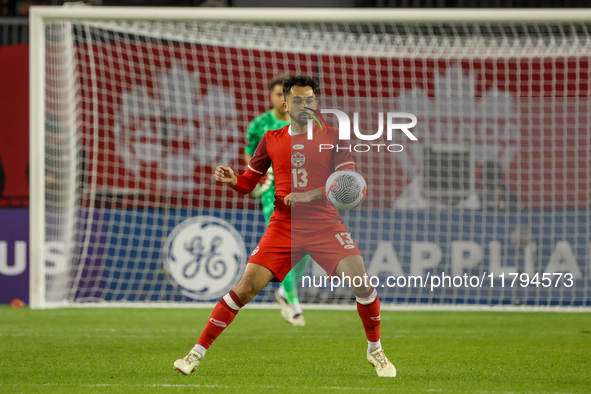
point(525, 16)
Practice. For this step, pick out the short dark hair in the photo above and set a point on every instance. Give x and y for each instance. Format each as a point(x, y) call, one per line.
point(278, 80)
point(300, 81)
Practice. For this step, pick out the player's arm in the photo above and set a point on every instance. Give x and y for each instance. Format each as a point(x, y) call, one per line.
point(342, 158)
point(246, 182)
point(292, 198)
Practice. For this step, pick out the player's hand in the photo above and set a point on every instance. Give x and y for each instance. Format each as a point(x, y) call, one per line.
point(293, 198)
point(225, 175)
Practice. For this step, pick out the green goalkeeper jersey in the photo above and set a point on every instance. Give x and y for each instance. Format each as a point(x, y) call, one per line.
point(257, 128)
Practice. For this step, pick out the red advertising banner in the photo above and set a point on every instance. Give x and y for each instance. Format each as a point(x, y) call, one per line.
point(14, 123)
point(160, 117)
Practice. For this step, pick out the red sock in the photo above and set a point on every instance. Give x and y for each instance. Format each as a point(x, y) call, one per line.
point(224, 312)
point(368, 308)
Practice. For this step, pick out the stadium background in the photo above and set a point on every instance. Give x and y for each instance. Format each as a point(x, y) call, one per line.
point(544, 198)
point(486, 351)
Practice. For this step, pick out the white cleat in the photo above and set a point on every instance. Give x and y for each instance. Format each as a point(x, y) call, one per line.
point(286, 310)
point(298, 320)
point(384, 367)
point(188, 364)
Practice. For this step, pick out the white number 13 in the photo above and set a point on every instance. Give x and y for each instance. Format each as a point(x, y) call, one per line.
point(345, 240)
point(300, 177)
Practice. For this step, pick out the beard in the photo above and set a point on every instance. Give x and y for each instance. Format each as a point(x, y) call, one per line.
point(301, 118)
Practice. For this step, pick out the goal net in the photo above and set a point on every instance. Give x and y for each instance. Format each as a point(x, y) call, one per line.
point(131, 110)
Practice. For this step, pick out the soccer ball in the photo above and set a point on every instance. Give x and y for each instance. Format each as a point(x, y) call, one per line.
point(345, 189)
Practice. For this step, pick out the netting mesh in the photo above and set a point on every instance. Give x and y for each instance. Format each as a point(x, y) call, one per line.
point(138, 113)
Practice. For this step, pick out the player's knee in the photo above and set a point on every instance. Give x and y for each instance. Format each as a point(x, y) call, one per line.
point(353, 267)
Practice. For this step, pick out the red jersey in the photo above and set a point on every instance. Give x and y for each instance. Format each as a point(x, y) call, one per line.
point(299, 165)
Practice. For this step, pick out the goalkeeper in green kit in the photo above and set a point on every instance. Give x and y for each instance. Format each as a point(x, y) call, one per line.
point(287, 295)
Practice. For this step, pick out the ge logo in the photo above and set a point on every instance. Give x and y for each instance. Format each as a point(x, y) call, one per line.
point(209, 255)
point(204, 256)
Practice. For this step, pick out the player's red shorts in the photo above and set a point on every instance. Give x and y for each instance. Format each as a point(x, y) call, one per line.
point(284, 245)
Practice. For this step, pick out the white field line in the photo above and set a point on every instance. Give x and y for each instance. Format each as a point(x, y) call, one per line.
point(211, 386)
point(341, 307)
point(216, 386)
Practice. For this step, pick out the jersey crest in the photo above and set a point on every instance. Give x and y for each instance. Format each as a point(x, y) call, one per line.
point(298, 159)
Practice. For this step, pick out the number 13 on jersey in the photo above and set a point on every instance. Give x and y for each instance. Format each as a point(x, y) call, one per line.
point(345, 240)
point(299, 177)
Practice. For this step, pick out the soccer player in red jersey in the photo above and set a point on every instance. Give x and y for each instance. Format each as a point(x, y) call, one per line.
point(304, 222)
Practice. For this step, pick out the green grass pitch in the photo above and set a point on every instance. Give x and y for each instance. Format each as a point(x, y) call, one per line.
point(132, 351)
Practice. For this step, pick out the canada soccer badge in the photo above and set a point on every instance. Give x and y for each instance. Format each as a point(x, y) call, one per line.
point(298, 160)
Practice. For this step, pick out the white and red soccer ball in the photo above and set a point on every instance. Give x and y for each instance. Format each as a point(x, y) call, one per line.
point(345, 189)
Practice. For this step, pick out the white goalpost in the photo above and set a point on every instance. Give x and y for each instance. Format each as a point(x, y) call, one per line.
point(131, 108)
